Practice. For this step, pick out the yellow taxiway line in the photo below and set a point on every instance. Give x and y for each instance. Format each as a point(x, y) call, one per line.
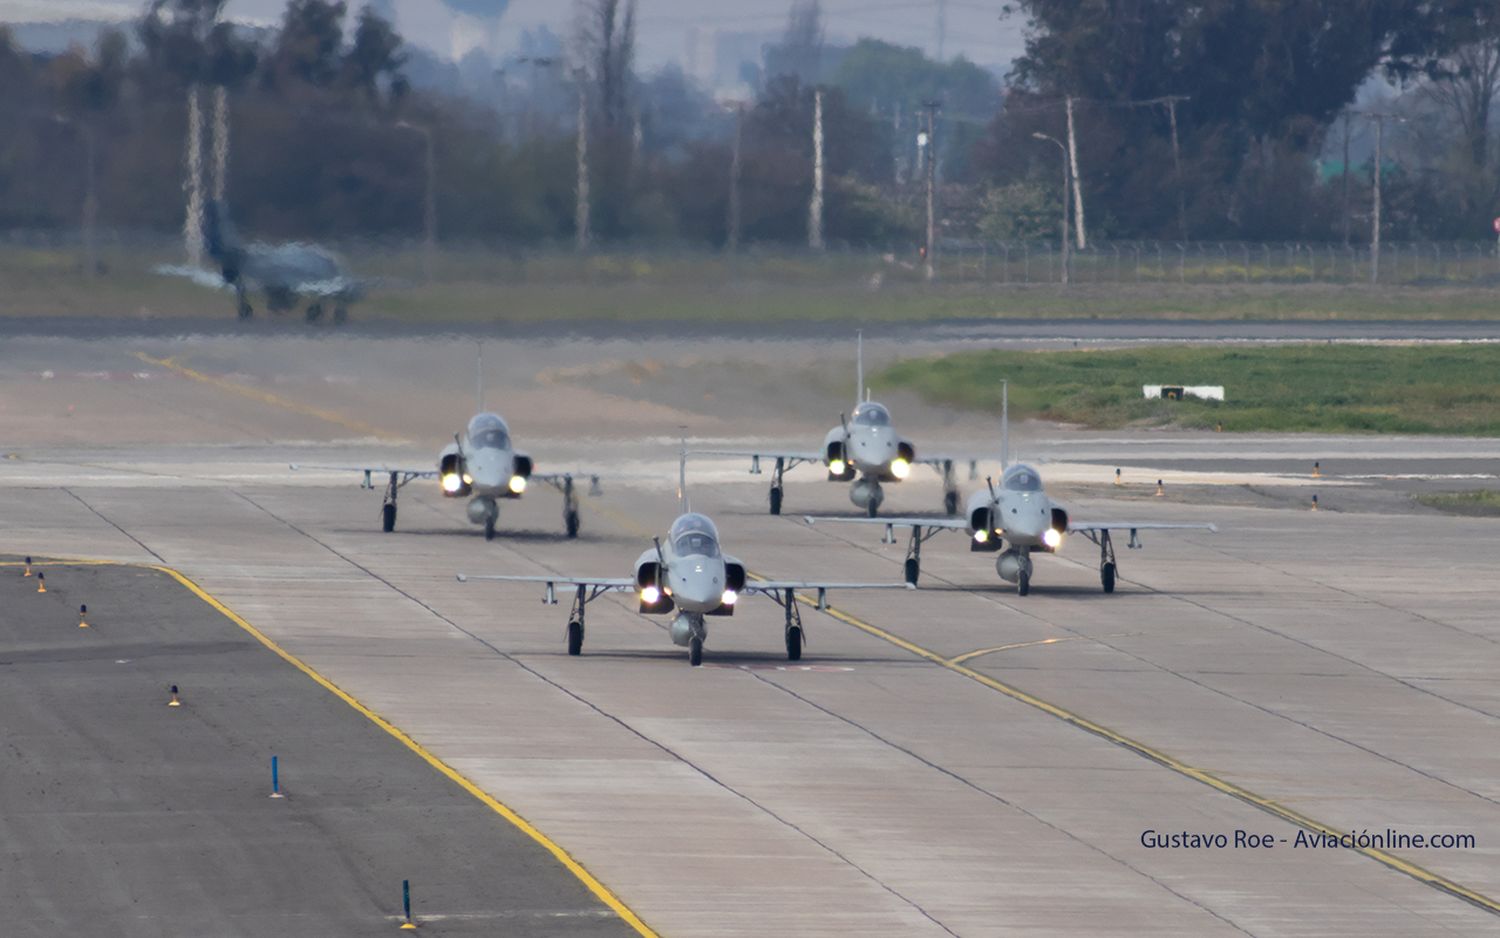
point(601, 891)
point(1289, 815)
point(989, 651)
point(266, 397)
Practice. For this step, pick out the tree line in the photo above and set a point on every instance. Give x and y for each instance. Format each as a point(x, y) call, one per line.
point(1193, 120)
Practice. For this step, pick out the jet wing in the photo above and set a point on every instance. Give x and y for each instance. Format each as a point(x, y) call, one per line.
point(334, 287)
point(603, 584)
point(1138, 526)
point(956, 524)
point(777, 586)
point(199, 275)
point(367, 470)
point(806, 456)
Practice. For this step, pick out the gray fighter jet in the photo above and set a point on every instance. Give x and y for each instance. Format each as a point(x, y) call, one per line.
point(691, 576)
point(1015, 520)
point(482, 465)
point(285, 273)
point(864, 449)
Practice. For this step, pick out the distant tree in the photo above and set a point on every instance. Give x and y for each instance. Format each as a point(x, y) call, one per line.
point(373, 63)
point(878, 74)
point(800, 52)
point(604, 39)
point(309, 46)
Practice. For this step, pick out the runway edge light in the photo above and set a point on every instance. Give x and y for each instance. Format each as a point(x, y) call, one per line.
point(41, 582)
point(27, 572)
point(407, 925)
point(175, 701)
point(83, 620)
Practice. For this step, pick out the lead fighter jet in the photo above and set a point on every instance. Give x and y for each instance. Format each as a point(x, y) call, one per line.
point(864, 449)
point(690, 575)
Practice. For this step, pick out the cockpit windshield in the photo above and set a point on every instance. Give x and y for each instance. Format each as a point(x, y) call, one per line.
point(694, 534)
point(488, 431)
point(870, 414)
point(1022, 479)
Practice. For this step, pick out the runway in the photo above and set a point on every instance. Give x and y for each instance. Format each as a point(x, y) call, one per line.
point(955, 760)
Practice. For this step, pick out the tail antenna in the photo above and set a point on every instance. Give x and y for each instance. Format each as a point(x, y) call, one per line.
point(1004, 424)
point(479, 376)
point(859, 366)
point(684, 504)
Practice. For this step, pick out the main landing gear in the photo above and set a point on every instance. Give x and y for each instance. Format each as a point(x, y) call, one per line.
point(570, 508)
point(1109, 570)
point(950, 489)
point(795, 637)
point(388, 506)
point(575, 621)
point(912, 568)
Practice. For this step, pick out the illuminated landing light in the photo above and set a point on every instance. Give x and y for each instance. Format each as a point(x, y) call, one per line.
point(451, 482)
point(518, 484)
point(468, 479)
point(730, 597)
point(1052, 537)
point(836, 466)
point(981, 536)
point(900, 468)
point(650, 595)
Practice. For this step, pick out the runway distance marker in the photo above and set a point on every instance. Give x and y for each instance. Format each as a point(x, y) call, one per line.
point(579, 872)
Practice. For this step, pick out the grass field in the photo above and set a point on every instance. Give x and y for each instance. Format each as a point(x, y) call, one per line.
point(1330, 388)
point(471, 286)
point(1482, 502)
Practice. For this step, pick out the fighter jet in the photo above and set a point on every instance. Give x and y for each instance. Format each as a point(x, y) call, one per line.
point(691, 576)
point(1016, 520)
point(481, 464)
point(285, 273)
point(864, 449)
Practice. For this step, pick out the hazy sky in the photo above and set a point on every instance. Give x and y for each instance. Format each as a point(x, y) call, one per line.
point(974, 28)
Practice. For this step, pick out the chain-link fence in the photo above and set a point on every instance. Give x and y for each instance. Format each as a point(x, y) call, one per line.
point(1224, 262)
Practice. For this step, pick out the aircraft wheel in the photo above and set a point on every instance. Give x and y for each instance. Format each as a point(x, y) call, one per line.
point(695, 651)
point(950, 503)
point(245, 310)
point(913, 570)
point(388, 518)
point(315, 312)
point(489, 528)
point(775, 499)
point(570, 522)
point(1023, 584)
point(794, 643)
point(1107, 577)
point(340, 314)
point(575, 637)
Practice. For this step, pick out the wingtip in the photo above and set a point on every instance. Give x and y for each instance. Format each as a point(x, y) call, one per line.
point(1214, 528)
point(462, 577)
point(910, 585)
point(292, 465)
point(809, 519)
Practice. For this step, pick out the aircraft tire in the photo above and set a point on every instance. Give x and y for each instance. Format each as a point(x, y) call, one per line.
point(489, 528)
point(873, 509)
point(775, 499)
point(575, 638)
point(570, 522)
point(314, 312)
point(1107, 577)
point(1023, 584)
point(794, 643)
point(245, 310)
point(913, 570)
point(950, 503)
point(340, 314)
point(695, 651)
point(388, 518)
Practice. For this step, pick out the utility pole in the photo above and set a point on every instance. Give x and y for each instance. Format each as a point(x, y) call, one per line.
point(1083, 240)
point(942, 27)
point(192, 224)
point(581, 212)
point(1171, 102)
point(815, 206)
point(732, 241)
point(928, 141)
point(1347, 120)
point(1067, 185)
point(1379, 118)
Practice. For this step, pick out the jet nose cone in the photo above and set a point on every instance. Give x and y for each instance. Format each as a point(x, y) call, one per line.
point(489, 468)
point(697, 586)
